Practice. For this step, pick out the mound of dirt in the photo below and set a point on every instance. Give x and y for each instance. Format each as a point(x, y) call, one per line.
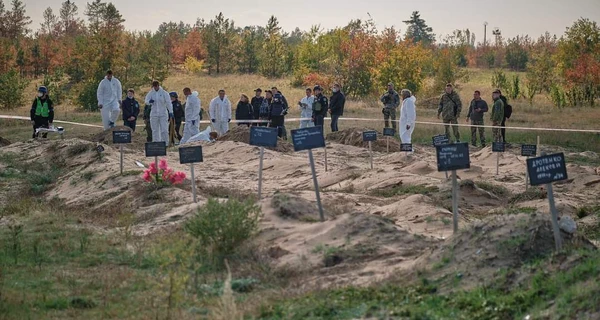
point(106, 135)
point(353, 137)
point(242, 134)
point(289, 206)
point(4, 142)
point(477, 253)
point(138, 138)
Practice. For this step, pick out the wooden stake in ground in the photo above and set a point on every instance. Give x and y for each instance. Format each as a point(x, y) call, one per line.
point(155, 149)
point(498, 147)
point(262, 137)
point(191, 155)
point(452, 157)
point(528, 150)
point(545, 170)
point(308, 139)
point(369, 136)
point(388, 132)
point(120, 138)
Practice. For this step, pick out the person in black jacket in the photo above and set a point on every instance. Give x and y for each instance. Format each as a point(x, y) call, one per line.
point(507, 114)
point(178, 114)
point(256, 102)
point(131, 110)
point(244, 111)
point(42, 112)
point(336, 106)
point(275, 91)
point(319, 107)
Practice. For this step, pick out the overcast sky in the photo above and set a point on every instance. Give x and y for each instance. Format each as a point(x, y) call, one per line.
point(513, 17)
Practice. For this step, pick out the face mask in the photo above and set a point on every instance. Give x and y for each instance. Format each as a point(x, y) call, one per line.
point(130, 96)
point(40, 94)
point(335, 89)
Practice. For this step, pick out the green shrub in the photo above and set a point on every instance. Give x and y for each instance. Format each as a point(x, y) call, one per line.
point(224, 226)
point(12, 86)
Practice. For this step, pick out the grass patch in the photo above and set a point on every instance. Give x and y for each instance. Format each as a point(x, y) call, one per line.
point(565, 288)
point(132, 173)
point(533, 193)
point(78, 149)
point(88, 176)
point(583, 160)
point(221, 192)
point(494, 189)
point(403, 190)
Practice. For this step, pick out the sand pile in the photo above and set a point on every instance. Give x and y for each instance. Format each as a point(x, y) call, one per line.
point(138, 138)
point(242, 134)
point(4, 142)
point(353, 137)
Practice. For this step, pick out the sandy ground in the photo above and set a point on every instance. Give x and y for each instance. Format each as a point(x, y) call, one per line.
point(367, 237)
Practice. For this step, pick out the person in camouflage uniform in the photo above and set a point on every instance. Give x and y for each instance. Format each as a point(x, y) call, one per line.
point(391, 101)
point(449, 109)
point(476, 110)
point(148, 128)
point(497, 115)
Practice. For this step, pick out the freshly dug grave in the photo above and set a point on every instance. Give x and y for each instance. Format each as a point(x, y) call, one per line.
point(242, 134)
point(353, 137)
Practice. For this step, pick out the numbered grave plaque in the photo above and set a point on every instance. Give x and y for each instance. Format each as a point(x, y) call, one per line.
point(453, 157)
point(263, 137)
point(190, 154)
point(308, 138)
point(547, 169)
point(155, 149)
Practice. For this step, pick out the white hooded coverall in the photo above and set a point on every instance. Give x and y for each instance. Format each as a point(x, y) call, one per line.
point(192, 117)
point(159, 115)
point(408, 116)
point(220, 111)
point(109, 97)
point(306, 111)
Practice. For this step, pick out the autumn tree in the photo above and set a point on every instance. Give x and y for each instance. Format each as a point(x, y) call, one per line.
point(418, 30)
point(517, 52)
point(69, 23)
point(248, 55)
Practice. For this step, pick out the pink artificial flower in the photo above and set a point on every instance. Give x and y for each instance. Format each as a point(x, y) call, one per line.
point(153, 169)
point(146, 176)
point(167, 174)
point(162, 164)
point(178, 177)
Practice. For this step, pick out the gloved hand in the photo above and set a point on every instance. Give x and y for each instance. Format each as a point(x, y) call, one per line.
point(151, 101)
point(33, 122)
point(383, 110)
point(213, 120)
point(228, 120)
point(171, 115)
point(99, 106)
point(193, 122)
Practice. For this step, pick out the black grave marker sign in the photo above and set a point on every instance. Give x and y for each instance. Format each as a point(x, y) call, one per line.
point(389, 132)
point(547, 169)
point(155, 149)
point(528, 150)
point(498, 147)
point(453, 157)
point(190, 154)
point(120, 137)
point(440, 140)
point(407, 147)
point(308, 138)
point(263, 137)
point(369, 136)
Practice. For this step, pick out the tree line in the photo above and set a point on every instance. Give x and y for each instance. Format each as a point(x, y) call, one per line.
point(71, 54)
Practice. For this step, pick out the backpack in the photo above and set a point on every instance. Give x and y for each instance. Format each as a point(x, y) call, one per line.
point(507, 111)
point(277, 108)
point(263, 111)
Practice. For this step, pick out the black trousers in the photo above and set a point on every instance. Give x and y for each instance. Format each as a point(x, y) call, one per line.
point(40, 122)
point(130, 124)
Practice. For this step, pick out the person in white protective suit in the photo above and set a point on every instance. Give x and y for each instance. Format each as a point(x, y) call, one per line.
point(109, 99)
point(306, 109)
point(220, 113)
point(192, 115)
point(408, 116)
point(162, 111)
